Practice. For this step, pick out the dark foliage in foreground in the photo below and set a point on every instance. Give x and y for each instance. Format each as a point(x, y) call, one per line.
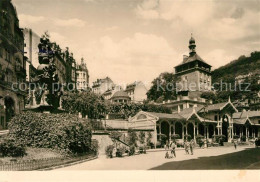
point(64, 132)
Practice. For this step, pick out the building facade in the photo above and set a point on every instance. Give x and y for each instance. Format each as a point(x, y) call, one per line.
point(194, 78)
point(102, 85)
point(120, 97)
point(31, 42)
point(194, 73)
point(12, 64)
point(137, 92)
point(82, 76)
point(110, 92)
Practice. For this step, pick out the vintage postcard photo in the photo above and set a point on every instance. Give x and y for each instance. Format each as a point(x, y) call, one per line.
point(129, 85)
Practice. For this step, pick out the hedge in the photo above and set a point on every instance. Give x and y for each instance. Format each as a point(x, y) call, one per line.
point(11, 148)
point(65, 132)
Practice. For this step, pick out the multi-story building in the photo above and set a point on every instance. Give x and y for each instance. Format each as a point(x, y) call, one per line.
point(136, 91)
point(102, 85)
point(12, 64)
point(71, 78)
point(194, 73)
point(194, 77)
point(60, 63)
point(31, 41)
point(110, 92)
point(82, 76)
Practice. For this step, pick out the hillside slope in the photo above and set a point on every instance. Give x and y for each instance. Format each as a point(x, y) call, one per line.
point(242, 66)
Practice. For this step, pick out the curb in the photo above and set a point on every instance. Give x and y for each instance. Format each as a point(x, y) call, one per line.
point(68, 164)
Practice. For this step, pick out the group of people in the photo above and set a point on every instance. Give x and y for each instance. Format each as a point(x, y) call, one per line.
point(172, 146)
point(188, 146)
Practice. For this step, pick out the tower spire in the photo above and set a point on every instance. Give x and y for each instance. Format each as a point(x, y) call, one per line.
point(192, 46)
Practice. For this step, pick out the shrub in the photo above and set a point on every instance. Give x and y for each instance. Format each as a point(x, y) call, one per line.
point(94, 146)
point(109, 151)
point(149, 138)
point(120, 151)
point(132, 150)
point(10, 148)
point(59, 131)
point(132, 138)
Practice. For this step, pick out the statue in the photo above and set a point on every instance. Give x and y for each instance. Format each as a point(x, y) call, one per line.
point(48, 91)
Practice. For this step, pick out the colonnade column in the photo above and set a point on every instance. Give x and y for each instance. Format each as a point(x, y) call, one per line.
point(170, 132)
point(182, 132)
point(246, 133)
point(174, 128)
point(207, 128)
point(194, 132)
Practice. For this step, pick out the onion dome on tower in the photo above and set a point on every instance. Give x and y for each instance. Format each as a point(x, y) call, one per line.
point(192, 46)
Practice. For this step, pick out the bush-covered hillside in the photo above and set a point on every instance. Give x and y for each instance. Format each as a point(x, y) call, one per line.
point(242, 66)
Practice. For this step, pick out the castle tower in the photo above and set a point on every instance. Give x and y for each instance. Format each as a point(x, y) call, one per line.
point(194, 73)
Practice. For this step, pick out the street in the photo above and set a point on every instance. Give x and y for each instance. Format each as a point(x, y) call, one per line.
point(211, 158)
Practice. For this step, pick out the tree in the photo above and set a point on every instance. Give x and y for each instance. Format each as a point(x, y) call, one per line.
point(86, 102)
point(209, 96)
point(163, 88)
point(142, 137)
point(149, 138)
point(132, 138)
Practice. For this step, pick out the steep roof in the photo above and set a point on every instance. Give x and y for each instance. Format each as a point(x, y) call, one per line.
point(120, 94)
point(218, 106)
point(244, 114)
point(192, 58)
point(242, 117)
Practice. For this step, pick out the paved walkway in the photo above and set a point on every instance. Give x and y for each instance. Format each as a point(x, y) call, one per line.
point(150, 160)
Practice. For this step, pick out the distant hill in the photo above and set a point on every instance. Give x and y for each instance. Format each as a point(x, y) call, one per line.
point(242, 66)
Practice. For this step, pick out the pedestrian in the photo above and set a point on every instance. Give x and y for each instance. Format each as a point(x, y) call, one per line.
point(167, 145)
point(186, 147)
point(235, 144)
point(191, 147)
point(173, 147)
point(167, 155)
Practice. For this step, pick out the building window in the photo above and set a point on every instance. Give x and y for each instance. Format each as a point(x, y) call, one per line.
point(216, 117)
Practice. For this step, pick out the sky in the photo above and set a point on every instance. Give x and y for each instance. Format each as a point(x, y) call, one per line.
point(136, 40)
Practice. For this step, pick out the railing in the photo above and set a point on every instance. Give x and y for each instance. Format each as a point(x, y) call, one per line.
point(38, 164)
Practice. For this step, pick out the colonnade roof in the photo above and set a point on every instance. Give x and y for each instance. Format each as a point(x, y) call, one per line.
point(244, 116)
point(219, 107)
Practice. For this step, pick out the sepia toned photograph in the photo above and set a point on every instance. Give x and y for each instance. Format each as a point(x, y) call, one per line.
point(130, 85)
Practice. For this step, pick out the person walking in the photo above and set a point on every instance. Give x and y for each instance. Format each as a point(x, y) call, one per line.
point(191, 147)
point(186, 147)
point(166, 145)
point(235, 144)
point(173, 147)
